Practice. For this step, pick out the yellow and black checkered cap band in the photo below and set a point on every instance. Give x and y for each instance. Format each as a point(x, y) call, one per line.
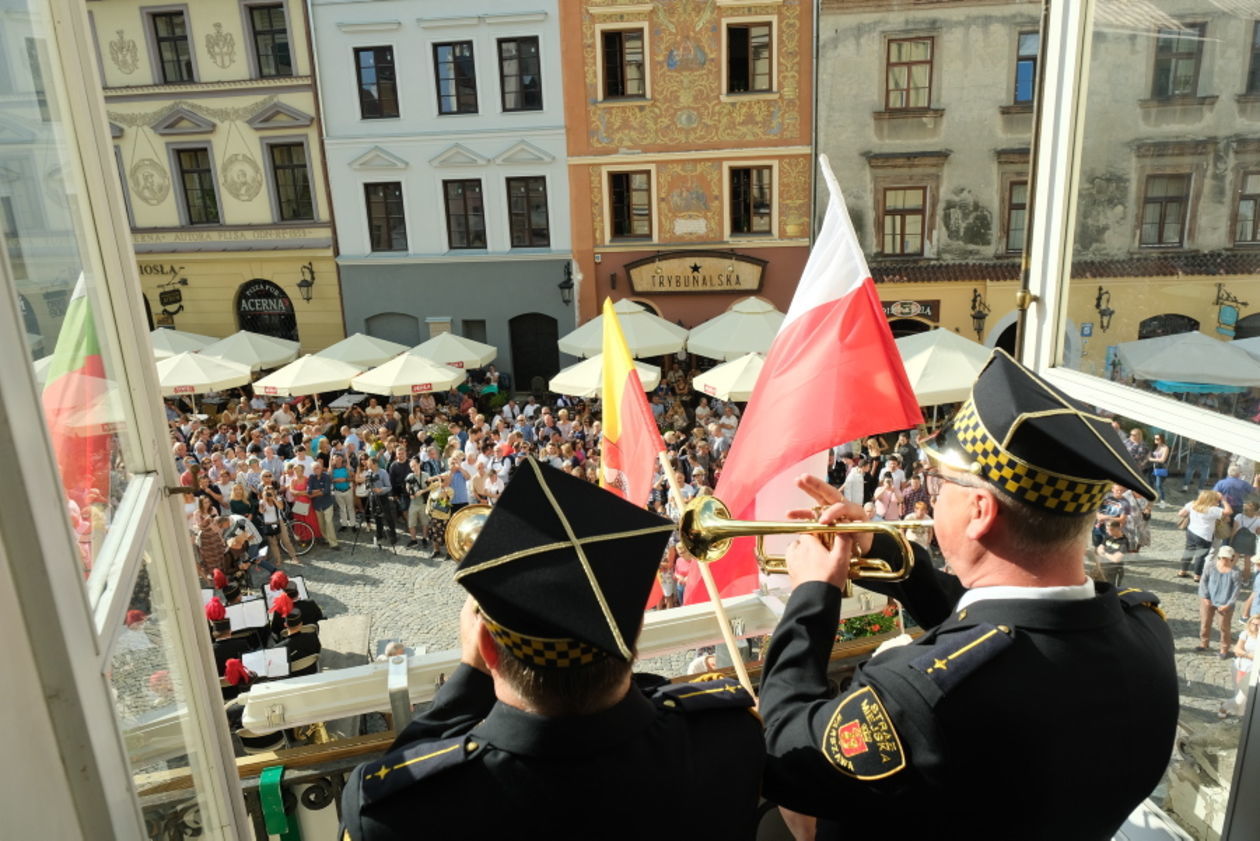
point(550, 653)
point(1023, 481)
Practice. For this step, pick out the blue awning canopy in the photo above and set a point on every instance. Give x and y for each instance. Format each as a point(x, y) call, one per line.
point(1173, 387)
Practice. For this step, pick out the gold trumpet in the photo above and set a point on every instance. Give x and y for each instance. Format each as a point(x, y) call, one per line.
point(463, 527)
point(706, 530)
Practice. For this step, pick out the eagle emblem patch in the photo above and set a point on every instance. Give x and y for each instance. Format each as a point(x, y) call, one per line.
point(860, 739)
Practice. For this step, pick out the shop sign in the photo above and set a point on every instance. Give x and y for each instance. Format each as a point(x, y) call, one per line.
point(697, 272)
point(930, 310)
point(263, 307)
point(161, 319)
point(220, 235)
point(419, 387)
point(170, 297)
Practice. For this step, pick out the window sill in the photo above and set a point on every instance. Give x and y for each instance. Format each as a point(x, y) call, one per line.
point(392, 117)
point(441, 114)
point(625, 100)
point(910, 114)
point(1180, 248)
point(1247, 98)
point(1178, 102)
point(1016, 108)
point(751, 96)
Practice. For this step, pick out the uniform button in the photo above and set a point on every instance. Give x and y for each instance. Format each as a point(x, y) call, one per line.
point(670, 703)
point(471, 746)
point(962, 614)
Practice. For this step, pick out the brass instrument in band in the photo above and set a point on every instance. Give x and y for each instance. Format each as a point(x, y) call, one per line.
point(463, 527)
point(706, 530)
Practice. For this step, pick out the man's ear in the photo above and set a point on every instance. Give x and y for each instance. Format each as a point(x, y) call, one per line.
point(984, 512)
point(485, 645)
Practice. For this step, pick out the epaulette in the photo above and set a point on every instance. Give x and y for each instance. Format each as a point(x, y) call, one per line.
point(1133, 597)
point(957, 655)
point(706, 694)
point(398, 770)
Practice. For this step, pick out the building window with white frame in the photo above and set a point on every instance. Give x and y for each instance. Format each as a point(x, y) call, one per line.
point(751, 200)
point(904, 220)
point(270, 32)
point(196, 179)
point(520, 74)
point(292, 182)
point(465, 214)
point(1028, 44)
point(527, 212)
point(749, 57)
point(624, 64)
point(630, 200)
point(386, 218)
point(378, 84)
point(1016, 216)
point(455, 70)
point(1178, 55)
point(1163, 223)
point(170, 37)
point(909, 74)
point(1247, 224)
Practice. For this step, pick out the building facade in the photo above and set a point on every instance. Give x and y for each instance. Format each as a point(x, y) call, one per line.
point(215, 124)
point(446, 152)
point(926, 111)
point(689, 130)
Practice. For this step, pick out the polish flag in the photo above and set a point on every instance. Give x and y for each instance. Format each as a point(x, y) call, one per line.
point(832, 375)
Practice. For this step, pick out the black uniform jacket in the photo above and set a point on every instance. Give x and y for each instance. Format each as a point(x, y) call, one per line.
point(680, 761)
point(301, 646)
point(1011, 718)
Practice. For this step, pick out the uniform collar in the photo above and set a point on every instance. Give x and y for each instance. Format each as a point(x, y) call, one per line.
point(1071, 593)
point(521, 732)
point(1041, 614)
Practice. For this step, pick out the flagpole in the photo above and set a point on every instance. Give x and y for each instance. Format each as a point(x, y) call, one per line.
point(719, 610)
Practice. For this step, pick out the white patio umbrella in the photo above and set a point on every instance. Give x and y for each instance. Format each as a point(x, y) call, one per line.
point(362, 350)
point(748, 326)
point(196, 373)
point(941, 365)
point(586, 379)
point(1252, 346)
point(308, 375)
point(732, 380)
point(408, 374)
point(1189, 358)
point(456, 351)
point(646, 334)
point(253, 349)
point(167, 342)
point(103, 416)
point(40, 367)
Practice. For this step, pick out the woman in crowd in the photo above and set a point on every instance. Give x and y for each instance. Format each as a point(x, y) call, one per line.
point(1200, 518)
point(303, 508)
point(274, 530)
point(888, 500)
point(1158, 462)
point(1244, 538)
point(1217, 592)
point(239, 503)
point(1244, 658)
point(921, 535)
point(1136, 445)
point(343, 489)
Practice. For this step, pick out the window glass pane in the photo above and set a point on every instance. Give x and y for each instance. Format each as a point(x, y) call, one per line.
point(48, 246)
point(149, 681)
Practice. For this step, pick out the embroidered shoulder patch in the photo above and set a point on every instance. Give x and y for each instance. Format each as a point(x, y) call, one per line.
point(710, 694)
point(958, 655)
point(398, 770)
point(860, 739)
point(1133, 597)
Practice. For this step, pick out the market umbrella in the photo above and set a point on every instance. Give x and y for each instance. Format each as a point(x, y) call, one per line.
point(1189, 358)
point(748, 326)
point(253, 350)
point(196, 373)
point(586, 379)
point(646, 334)
point(168, 342)
point(456, 351)
point(362, 350)
point(308, 375)
point(941, 365)
point(103, 416)
point(1252, 346)
point(408, 374)
point(732, 380)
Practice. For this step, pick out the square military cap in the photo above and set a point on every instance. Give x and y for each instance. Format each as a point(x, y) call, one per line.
point(562, 568)
point(1024, 436)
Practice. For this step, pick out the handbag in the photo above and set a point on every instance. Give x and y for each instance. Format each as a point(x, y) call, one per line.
point(1244, 542)
point(1223, 529)
point(301, 509)
point(1161, 472)
point(1183, 520)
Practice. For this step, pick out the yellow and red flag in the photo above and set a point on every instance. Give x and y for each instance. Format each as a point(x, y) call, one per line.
point(631, 442)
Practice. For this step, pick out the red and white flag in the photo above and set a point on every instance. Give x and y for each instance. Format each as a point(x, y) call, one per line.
point(833, 374)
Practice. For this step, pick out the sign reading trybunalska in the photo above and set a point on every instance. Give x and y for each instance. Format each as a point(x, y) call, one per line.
point(930, 310)
point(697, 272)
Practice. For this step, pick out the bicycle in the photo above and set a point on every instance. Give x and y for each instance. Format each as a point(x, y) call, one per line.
point(302, 534)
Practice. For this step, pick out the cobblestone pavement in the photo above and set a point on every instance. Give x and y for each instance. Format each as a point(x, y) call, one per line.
point(411, 597)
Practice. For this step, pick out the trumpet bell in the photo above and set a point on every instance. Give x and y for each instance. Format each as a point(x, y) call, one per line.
point(463, 528)
point(696, 528)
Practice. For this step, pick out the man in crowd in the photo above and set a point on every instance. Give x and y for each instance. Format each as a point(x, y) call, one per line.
point(1233, 488)
point(381, 507)
point(542, 732)
point(1022, 654)
point(319, 488)
point(301, 641)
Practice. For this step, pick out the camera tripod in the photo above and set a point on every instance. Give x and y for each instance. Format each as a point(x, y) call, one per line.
point(374, 510)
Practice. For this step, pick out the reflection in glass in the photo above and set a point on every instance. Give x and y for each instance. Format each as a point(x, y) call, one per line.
point(1166, 227)
point(43, 233)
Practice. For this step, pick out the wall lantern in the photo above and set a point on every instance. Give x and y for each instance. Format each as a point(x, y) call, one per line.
point(979, 312)
point(1102, 303)
point(306, 286)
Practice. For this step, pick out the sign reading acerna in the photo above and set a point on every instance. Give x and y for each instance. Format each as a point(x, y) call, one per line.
point(697, 272)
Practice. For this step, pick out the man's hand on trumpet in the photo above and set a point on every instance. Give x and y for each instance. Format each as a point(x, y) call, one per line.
point(808, 559)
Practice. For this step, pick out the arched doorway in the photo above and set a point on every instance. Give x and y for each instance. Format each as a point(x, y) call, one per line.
point(148, 311)
point(1247, 328)
point(907, 327)
point(263, 307)
point(535, 354)
point(394, 327)
point(1166, 324)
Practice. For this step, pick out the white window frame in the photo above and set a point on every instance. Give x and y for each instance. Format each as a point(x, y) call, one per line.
point(600, 29)
point(727, 166)
point(606, 189)
point(773, 93)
